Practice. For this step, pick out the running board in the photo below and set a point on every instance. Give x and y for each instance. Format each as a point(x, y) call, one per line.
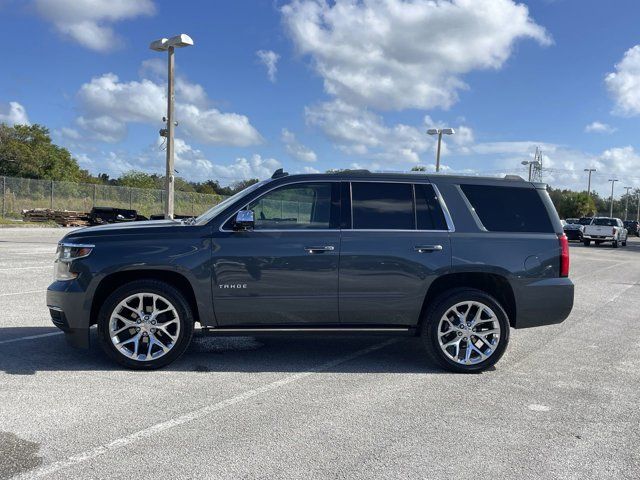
point(307, 330)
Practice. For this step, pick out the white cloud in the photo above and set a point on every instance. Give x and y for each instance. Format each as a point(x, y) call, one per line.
point(109, 104)
point(361, 132)
point(599, 127)
point(397, 54)
point(88, 22)
point(296, 149)
point(246, 169)
point(13, 114)
point(270, 60)
point(624, 83)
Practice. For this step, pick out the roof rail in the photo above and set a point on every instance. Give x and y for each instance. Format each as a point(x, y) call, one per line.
point(279, 173)
point(349, 171)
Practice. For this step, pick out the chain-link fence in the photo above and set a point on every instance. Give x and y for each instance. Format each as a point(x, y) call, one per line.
point(26, 193)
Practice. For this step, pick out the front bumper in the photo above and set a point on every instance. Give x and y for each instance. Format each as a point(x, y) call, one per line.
point(66, 303)
point(543, 302)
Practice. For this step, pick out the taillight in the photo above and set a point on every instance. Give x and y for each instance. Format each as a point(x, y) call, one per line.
point(564, 255)
point(613, 231)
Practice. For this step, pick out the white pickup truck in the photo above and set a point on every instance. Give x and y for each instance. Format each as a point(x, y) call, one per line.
point(605, 229)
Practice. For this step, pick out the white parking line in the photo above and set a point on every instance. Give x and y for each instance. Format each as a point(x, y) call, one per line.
point(195, 415)
point(50, 265)
point(21, 293)
point(30, 337)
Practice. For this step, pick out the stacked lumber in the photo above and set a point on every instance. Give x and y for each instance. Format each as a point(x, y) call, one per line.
point(65, 218)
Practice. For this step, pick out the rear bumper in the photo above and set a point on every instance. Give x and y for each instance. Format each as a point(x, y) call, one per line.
point(573, 234)
point(601, 238)
point(543, 302)
point(65, 301)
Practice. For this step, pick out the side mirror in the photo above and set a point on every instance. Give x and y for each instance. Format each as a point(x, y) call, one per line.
point(244, 220)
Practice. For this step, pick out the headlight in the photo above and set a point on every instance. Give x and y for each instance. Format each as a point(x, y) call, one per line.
point(67, 253)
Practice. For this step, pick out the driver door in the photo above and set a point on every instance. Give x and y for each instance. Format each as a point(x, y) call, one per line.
point(284, 271)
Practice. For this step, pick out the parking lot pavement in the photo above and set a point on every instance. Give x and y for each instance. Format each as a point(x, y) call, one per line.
point(562, 403)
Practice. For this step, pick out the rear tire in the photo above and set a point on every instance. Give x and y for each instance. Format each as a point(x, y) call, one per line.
point(145, 324)
point(615, 244)
point(457, 345)
point(586, 243)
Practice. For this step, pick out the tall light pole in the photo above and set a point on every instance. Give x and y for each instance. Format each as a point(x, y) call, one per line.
point(638, 210)
point(440, 132)
point(590, 170)
point(626, 208)
point(169, 45)
point(531, 163)
point(613, 182)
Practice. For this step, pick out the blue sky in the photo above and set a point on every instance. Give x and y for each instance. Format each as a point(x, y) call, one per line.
point(352, 84)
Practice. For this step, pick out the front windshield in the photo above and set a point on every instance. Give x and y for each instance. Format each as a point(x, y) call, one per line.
point(214, 211)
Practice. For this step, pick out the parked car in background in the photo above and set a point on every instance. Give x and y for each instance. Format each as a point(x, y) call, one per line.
point(633, 228)
point(605, 229)
point(572, 229)
point(102, 215)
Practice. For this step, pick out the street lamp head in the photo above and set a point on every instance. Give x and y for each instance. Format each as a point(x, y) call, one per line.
point(433, 131)
point(448, 131)
point(525, 162)
point(159, 45)
point(179, 41)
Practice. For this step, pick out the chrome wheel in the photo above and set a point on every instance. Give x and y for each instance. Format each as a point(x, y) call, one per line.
point(469, 332)
point(144, 326)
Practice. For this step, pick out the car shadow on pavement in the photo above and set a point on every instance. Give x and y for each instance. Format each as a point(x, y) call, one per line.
point(210, 354)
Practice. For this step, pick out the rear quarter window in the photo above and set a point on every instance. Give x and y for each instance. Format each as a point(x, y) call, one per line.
point(508, 209)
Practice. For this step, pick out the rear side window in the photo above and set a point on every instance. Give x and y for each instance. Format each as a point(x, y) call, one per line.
point(387, 206)
point(509, 209)
point(428, 212)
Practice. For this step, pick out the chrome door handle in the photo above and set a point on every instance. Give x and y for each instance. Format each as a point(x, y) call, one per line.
point(427, 248)
point(326, 248)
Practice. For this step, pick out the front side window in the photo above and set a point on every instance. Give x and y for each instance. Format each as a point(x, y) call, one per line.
point(382, 206)
point(293, 207)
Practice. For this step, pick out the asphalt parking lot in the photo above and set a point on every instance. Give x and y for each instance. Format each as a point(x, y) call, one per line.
point(562, 403)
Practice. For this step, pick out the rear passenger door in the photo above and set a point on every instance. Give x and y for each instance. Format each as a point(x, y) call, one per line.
point(395, 243)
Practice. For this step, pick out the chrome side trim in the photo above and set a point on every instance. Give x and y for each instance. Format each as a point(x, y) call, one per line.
point(443, 206)
point(445, 209)
point(311, 329)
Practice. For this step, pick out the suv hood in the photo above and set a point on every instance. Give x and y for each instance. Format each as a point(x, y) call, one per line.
point(126, 226)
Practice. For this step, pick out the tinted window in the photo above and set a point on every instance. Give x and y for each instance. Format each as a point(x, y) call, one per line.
point(428, 212)
point(382, 206)
point(298, 206)
point(605, 222)
point(508, 209)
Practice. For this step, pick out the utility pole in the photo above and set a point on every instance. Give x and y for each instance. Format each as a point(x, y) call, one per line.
point(638, 210)
point(590, 170)
point(613, 182)
point(626, 208)
point(439, 132)
point(169, 182)
point(169, 45)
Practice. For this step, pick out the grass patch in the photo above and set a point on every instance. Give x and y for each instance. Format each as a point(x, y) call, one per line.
point(12, 222)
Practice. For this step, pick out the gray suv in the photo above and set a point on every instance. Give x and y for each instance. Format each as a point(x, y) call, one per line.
point(456, 261)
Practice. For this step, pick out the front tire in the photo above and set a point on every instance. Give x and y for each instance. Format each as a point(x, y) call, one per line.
point(145, 324)
point(465, 330)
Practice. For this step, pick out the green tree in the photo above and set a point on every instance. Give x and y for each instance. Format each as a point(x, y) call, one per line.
point(570, 204)
point(27, 151)
point(137, 179)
